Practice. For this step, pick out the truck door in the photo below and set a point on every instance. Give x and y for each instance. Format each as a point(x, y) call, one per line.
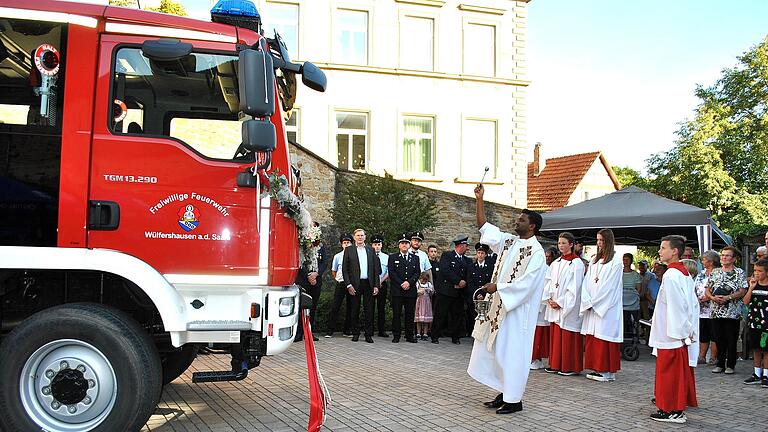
point(163, 184)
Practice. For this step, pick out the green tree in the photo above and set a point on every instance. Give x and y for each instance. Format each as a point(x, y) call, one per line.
point(170, 7)
point(630, 177)
point(383, 205)
point(166, 6)
point(721, 157)
point(123, 3)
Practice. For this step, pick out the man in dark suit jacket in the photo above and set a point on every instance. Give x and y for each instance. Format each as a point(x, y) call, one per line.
point(404, 270)
point(450, 290)
point(361, 269)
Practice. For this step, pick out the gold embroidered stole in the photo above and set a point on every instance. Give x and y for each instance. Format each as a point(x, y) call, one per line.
point(488, 330)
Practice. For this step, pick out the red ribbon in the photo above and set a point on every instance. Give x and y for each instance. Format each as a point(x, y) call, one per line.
point(317, 402)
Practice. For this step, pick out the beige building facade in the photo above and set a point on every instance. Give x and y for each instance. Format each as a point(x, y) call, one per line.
point(429, 91)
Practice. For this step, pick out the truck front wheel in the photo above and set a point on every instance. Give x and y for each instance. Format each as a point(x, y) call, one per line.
point(78, 367)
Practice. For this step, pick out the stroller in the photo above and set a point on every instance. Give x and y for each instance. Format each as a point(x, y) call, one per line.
point(630, 348)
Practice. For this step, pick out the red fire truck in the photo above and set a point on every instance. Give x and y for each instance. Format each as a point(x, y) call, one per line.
point(132, 228)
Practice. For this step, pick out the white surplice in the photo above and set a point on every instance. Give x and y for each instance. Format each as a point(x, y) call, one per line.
point(563, 286)
point(505, 368)
point(601, 301)
point(676, 315)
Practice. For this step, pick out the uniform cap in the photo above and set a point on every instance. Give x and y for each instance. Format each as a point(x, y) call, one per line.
point(417, 235)
point(405, 238)
point(482, 247)
point(460, 239)
point(346, 236)
point(378, 238)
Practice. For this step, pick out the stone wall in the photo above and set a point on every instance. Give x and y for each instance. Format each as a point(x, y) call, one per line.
point(456, 213)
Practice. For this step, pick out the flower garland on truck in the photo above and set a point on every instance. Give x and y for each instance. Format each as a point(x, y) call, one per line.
point(276, 186)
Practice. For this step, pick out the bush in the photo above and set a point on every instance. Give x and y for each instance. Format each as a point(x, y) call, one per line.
point(383, 205)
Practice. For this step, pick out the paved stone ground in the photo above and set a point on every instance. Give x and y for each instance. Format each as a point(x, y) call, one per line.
point(425, 387)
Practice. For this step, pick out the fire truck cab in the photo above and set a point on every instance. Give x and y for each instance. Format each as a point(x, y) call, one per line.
point(132, 228)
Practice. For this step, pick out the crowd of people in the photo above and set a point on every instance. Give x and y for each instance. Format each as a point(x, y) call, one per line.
point(430, 296)
point(556, 310)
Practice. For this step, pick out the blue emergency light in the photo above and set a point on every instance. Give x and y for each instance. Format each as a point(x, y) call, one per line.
point(240, 13)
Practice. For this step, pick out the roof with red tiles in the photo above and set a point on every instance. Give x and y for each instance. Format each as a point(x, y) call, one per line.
point(560, 177)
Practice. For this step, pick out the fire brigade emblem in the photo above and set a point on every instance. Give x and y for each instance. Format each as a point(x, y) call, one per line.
point(189, 217)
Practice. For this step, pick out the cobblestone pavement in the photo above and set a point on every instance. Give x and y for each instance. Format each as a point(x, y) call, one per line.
point(404, 387)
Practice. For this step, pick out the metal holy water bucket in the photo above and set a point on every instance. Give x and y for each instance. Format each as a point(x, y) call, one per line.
point(482, 306)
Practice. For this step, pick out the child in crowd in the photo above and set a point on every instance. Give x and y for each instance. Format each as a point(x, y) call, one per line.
point(424, 290)
point(756, 300)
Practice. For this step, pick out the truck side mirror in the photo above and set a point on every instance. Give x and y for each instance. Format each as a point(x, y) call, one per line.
point(259, 136)
point(313, 77)
point(257, 83)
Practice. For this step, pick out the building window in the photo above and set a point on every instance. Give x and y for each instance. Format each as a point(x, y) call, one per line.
point(284, 18)
point(478, 149)
point(417, 37)
point(480, 49)
point(418, 145)
point(352, 140)
point(352, 37)
point(292, 126)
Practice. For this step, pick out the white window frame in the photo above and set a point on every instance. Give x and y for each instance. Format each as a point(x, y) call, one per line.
point(295, 52)
point(400, 150)
point(335, 33)
point(493, 173)
point(350, 132)
point(464, 48)
point(435, 31)
point(297, 129)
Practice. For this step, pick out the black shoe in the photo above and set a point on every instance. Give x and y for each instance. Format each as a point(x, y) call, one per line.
point(315, 338)
point(411, 340)
point(754, 379)
point(298, 339)
point(456, 341)
point(355, 338)
point(764, 382)
point(497, 402)
point(383, 334)
point(424, 337)
point(369, 339)
point(395, 339)
point(435, 341)
point(509, 408)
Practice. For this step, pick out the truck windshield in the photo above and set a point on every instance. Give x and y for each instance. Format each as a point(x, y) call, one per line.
point(194, 99)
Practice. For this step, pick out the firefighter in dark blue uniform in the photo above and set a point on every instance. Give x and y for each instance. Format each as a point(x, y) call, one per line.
point(404, 271)
point(479, 274)
point(450, 288)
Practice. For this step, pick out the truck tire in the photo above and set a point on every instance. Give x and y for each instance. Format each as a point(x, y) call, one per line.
point(175, 363)
point(78, 367)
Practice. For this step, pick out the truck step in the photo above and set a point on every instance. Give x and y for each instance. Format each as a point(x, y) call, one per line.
point(218, 376)
point(219, 325)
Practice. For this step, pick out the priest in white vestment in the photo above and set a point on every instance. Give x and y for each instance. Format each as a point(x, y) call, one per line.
point(501, 355)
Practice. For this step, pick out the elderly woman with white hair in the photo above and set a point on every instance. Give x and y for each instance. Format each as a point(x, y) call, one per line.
point(761, 253)
point(710, 260)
